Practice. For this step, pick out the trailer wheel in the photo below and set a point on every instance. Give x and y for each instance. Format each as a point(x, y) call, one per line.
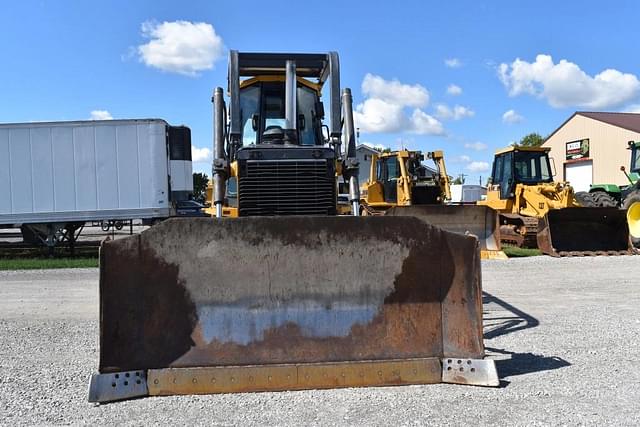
point(632, 205)
point(603, 200)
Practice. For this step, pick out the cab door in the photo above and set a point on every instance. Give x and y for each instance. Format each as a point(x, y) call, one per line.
point(503, 175)
point(388, 173)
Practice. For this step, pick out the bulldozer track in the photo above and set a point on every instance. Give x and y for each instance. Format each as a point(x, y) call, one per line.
point(565, 254)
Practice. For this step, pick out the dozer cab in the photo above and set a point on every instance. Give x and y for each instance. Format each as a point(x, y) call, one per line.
point(535, 211)
point(287, 295)
point(401, 185)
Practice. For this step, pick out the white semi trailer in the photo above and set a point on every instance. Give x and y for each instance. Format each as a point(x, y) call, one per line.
point(466, 194)
point(55, 176)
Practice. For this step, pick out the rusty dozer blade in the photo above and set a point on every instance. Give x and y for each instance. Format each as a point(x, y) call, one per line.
point(201, 305)
point(480, 221)
point(584, 231)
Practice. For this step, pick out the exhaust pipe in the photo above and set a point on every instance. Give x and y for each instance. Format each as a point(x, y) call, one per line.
point(290, 96)
point(219, 161)
point(351, 166)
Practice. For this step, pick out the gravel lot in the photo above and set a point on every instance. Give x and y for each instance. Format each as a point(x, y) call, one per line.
point(566, 333)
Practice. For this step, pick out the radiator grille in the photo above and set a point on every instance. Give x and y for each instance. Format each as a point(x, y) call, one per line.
point(293, 187)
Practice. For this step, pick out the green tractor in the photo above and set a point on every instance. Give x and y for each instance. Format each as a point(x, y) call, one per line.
point(626, 197)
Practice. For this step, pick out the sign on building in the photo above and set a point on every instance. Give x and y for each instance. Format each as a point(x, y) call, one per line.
point(578, 149)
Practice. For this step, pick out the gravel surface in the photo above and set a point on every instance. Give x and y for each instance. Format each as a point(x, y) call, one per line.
point(566, 334)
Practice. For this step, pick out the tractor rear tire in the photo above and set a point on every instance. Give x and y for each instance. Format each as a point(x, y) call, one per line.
point(603, 200)
point(633, 197)
point(585, 199)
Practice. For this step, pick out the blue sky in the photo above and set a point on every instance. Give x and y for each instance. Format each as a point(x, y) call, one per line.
point(467, 77)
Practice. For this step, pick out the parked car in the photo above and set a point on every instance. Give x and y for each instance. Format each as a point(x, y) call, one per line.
point(190, 208)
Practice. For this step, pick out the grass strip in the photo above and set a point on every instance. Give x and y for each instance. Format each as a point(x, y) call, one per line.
point(514, 252)
point(46, 263)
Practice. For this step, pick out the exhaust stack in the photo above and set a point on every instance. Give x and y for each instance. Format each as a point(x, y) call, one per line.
point(219, 162)
point(290, 96)
point(351, 162)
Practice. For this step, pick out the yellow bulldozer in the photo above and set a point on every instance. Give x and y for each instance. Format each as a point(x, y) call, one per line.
point(400, 184)
point(536, 211)
point(287, 295)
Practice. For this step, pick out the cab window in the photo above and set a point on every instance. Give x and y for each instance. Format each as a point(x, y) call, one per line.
point(393, 169)
point(635, 160)
point(274, 112)
point(532, 167)
point(306, 116)
point(249, 105)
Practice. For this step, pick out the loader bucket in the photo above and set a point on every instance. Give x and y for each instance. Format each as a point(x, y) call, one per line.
point(480, 221)
point(202, 305)
point(584, 231)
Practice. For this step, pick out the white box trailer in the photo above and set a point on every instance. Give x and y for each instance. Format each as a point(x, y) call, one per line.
point(63, 173)
point(462, 194)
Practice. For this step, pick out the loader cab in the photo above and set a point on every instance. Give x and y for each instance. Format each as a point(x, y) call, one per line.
point(513, 166)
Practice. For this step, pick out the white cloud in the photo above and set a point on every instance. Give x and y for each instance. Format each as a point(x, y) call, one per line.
point(387, 104)
point(461, 159)
point(377, 116)
point(512, 117)
point(424, 124)
point(181, 47)
point(565, 85)
point(454, 90)
point(478, 167)
point(101, 115)
point(201, 154)
point(478, 146)
point(453, 63)
point(458, 112)
point(394, 92)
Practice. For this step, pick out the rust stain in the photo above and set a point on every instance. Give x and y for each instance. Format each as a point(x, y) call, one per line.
point(146, 315)
point(236, 379)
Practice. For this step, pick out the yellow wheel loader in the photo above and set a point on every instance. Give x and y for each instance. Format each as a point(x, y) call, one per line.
point(287, 295)
point(535, 211)
point(401, 185)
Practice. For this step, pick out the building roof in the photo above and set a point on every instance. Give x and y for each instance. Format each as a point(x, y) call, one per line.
point(520, 148)
point(367, 148)
point(629, 121)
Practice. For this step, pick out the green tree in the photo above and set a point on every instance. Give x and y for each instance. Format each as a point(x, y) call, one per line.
point(381, 148)
point(200, 182)
point(534, 139)
point(459, 180)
